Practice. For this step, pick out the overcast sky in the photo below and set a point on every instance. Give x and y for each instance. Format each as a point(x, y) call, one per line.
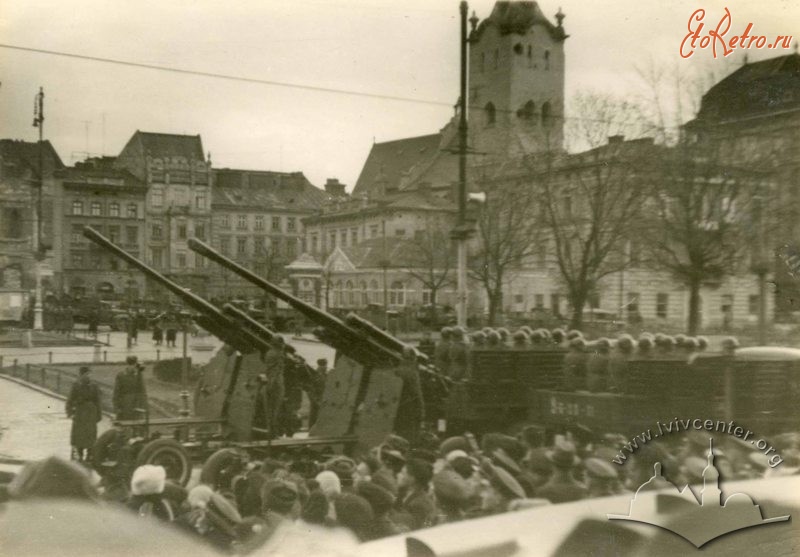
point(405, 48)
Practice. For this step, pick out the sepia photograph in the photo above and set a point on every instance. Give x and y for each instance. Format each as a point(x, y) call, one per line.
point(424, 278)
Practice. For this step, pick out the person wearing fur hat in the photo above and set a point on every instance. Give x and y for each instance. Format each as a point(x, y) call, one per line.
point(562, 486)
point(344, 467)
point(83, 406)
point(521, 340)
point(355, 513)
point(416, 506)
point(441, 354)
point(574, 367)
point(147, 493)
point(279, 499)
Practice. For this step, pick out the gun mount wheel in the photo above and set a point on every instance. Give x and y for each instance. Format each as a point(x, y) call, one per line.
point(169, 454)
point(221, 467)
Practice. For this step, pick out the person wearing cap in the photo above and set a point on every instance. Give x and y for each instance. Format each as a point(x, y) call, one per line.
point(562, 486)
point(382, 501)
point(83, 406)
point(602, 478)
point(411, 406)
point(441, 354)
point(645, 347)
point(317, 390)
point(416, 508)
point(211, 517)
point(478, 339)
point(355, 513)
point(500, 490)
point(129, 392)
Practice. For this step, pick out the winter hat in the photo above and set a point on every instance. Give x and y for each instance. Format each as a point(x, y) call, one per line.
point(420, 470)
point(278, 496)
point(454, 443)
point(148, 480)
point(329, 483)
point(316, 508)
point(355, 513)
point(378, 498)
point(344, 467)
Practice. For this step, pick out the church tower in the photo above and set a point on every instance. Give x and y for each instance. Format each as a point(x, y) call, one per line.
point(516, 81)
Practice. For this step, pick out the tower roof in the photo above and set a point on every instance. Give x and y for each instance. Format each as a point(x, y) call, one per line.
point(518, 17)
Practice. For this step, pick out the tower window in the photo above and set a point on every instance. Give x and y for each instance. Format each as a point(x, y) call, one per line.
point(547, 59)
point(491, 114)
point(518, 49)
point(527, 111)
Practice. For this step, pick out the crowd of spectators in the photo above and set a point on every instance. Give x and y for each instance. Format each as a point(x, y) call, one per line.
point(245, 506)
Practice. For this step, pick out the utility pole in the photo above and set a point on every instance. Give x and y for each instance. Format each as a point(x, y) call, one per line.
point(38, 248)
point(463, 230)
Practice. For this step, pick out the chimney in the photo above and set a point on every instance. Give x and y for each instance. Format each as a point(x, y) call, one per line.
point(334, 187)
point(615, 139)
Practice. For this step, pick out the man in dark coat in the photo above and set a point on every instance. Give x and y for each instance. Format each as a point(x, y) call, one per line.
point(317, 390)
point(83, 406)
point(417, 509)
point(411, 407)
point(562, 486)
point(129, 392)
point(273, 387)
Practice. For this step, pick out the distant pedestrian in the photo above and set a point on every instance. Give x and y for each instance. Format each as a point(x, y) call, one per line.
point(158, 333)
point(93, 323)
point(133, 329)
point(171, 326)
point(83, 406)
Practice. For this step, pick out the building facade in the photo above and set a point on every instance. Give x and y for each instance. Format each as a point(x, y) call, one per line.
point(258, 221)
point(178, 203)
point(96, 193)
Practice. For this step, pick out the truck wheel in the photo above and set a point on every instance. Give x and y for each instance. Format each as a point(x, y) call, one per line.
point(221, 467)
point(169, 454)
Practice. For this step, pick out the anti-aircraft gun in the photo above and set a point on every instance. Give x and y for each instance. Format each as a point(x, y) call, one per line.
point(363, 390)
point(228, 402)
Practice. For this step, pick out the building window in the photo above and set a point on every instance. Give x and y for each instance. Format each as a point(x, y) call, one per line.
point(353, 236)
point(491, 113)
point(77, 234)
point(241, 245)
point(400, 232)
point(113, 209)
point(76, 258)
point(397, 295)
point(426, 297)
point(133, 210)
point(156, 257)
point(200, 231)
point(547, 59)
point(224, 221)
point(546, 116)
point(343, 238)
point(156, 232)
point(113, 264)
point(291, 224)
point(241, 222)
point(726, 307)
point(276, 224)
point(538, 298)
point(259, 222)
point(258, 245)
point(224, 244)
point(662, 305)
point(373, 231)
point(96, 209)
point(753, 303)
point(77, 207)
point(131, 235)
point(113, 234)
point(200, 201)
point(314, 243)
point(157, 198)
point(332, 245)
point(182, 231)
point(350, 293)
point(181, 260)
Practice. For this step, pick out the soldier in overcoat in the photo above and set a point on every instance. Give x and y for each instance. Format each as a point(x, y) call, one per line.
point(83, 406)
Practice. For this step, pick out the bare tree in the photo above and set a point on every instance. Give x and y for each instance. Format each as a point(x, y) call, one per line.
point(590, 202)
point(431, 260)
point(506, 235)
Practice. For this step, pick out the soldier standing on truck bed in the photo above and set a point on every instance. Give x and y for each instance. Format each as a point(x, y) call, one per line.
point(272, 388)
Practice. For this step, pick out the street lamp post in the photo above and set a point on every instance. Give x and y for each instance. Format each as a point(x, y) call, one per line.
point(38, 248)
point(185, 372)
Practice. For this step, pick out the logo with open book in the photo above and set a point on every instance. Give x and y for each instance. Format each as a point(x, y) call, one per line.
point(696, 519)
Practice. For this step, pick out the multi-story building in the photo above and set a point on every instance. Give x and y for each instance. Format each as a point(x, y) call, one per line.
point(20, 164)
point(258, 221)
point(112, 201)
point(178, 207)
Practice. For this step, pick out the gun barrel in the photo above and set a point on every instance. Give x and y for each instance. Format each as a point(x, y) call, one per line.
point(254, 326)
point(213, 319)
point(341, 336)
point(381, 336)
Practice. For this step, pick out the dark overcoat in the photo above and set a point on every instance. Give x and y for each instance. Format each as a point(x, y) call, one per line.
point(83, 406)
